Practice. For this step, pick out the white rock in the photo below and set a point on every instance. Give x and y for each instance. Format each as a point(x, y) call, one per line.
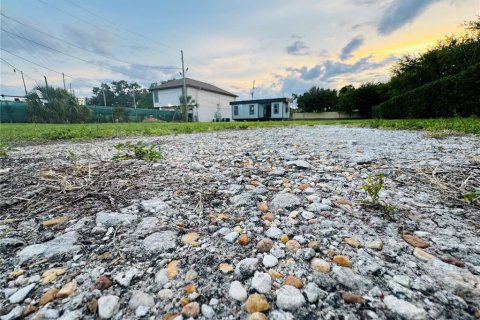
point(154, 205)
point(46, 314)
point(308, 215)
point(191, 275)
point(207, 311)
point(269, 261)
point(262, 282)
point(312, 292)
point(107, 305)
point(140, 298)
point(231, 237)
point(274, 232)
point(165, 294)
point(289, 297)
point(160, 241)
point(113, 219)
point(284, 200)
point(15, 313)
point(21, 294)
point(299, 163)
point(124, 278)
point(61, 246)
point(141, 311)
point(237, 291)
point(161, 277)
point(404, 309)
point(246, 267)
point(71, 315)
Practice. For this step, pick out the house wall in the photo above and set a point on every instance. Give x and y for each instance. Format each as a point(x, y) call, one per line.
point(283, 111)
point(209, 102)
point(244, 111)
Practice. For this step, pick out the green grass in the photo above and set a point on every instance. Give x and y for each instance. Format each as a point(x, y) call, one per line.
point(14, 134)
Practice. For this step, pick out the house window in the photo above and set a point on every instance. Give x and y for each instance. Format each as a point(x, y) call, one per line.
point(275, 108)
point(235, 110)
point(252, 110)
point(155, 96)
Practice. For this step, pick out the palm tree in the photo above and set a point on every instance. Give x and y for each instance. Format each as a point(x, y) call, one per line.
point(187, 105)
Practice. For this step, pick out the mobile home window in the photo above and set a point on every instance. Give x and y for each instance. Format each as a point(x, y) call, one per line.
point(155, 96)
point(275, 108)
point(235, 110)
point(252, 109)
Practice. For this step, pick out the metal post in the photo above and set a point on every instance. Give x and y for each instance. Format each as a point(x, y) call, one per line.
point(104, 99)
point(135, 106)
point(64, 87)
point(24, 86)
point(184, 89)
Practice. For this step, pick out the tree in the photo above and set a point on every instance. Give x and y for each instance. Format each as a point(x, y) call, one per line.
point(121, 94)
point(55, 105)
point(317, 99)
point(186, 105)
point(346, 99)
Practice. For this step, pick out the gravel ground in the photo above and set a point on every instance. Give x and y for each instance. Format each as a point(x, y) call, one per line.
point(250, 224)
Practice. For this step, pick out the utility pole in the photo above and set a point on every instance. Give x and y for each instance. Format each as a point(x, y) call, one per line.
point(46, 83)
point(253, 89)
point(70, 87)
point(24, 86)
point(184, 89)
point(64, 87)
point(104, 99)
point(135, 106)
point(46, 88)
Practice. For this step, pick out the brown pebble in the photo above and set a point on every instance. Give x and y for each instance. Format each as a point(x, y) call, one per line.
point(48, 296)
point(268, 216)
point(315, 245)
point(292, 245)
point(172, 269)
point(350, 297)
point(244, 239)
point(342, 261)
point(103, 283)
point(264, 245)
point(225, 267)
point(184, 301)
point(415, 241)
point(263, 206)
point(352, 242)
point(454, 261)
point(191, 288)
point(331, 254)
point(67, 290)
point(256, 303)
point(293, 281)
point(191, 310)
point(170, 316)
point(29, 310)
point(257, 316)
point(284, 238)
point(92, 306)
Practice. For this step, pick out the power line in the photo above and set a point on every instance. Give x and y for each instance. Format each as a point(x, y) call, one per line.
point(47, 68)
point(114, 33)
point(73, 44)
point(70, 55)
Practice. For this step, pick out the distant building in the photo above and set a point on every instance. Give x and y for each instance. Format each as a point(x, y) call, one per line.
point(81, 101)
point(211, 102)
point(261, 109)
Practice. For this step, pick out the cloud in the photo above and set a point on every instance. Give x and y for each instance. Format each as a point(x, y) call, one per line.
point(399, 13)
point(98, 41)
point(297, 48)
point(353, 45)
point(20, 45)
point(330, 73)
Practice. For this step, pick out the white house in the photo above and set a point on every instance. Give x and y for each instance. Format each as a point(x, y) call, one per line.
point(212, 103)
point(261, 109)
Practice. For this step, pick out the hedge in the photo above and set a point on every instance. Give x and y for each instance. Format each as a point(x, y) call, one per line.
point(457, 95)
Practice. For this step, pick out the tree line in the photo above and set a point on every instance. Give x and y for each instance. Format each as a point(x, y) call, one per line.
point(414, 88)
point(121, 94)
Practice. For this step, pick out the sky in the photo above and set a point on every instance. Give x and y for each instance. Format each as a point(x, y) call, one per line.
point(284, 46)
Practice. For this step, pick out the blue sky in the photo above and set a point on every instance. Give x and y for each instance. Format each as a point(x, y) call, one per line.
point(285, 46)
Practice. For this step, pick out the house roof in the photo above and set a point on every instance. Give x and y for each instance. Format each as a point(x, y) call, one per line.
point(178, 83)
point(261, 101)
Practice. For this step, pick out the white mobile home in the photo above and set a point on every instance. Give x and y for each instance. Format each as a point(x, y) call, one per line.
point(261, 109)
point(211, 102)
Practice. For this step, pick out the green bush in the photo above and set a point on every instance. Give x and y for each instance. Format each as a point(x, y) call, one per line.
point(457, 95)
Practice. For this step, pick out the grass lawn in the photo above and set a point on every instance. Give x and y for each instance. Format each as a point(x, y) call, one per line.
point(14, 134)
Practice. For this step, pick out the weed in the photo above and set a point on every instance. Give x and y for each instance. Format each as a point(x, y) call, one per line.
point(373, 186)
point(72, 157)
point(138, 151)
point(4, 150)
point(470, 197)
